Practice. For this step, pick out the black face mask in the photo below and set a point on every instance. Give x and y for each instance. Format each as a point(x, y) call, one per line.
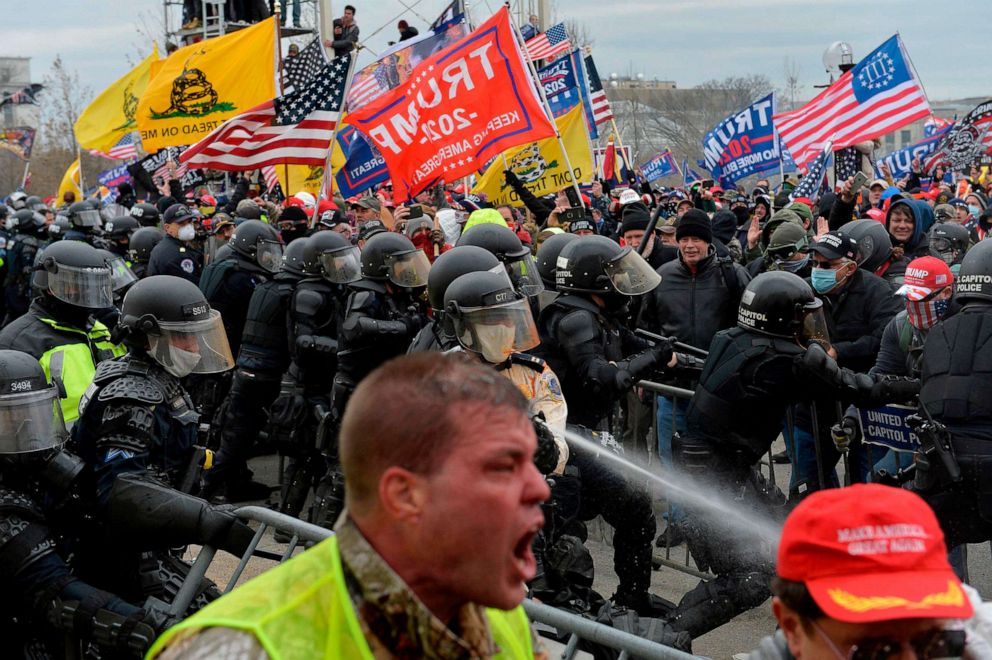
point(617, 305)
point(289, 235)
point(743, 215)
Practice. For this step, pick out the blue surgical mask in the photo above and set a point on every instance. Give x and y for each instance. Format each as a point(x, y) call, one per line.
point(974, 210)
point(823, 279)
point(794, 266)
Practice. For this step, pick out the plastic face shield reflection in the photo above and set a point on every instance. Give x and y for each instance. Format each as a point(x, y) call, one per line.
point(91, 288)
point(815, 324)
point(343, 265)
point(31, 422)
point(498, 331)
point(269, 255)
point(631, 275)
point(409, 269)
point(175, 343)
point(524, 276)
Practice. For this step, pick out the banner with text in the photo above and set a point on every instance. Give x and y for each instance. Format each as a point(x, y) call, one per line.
point(886, 426)
point(900, 161)
point(660, 166)
point(564, 86)
point(744, 143)
point(461, 107)
point(365, 166)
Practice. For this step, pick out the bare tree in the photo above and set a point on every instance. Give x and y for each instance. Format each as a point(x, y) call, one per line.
point(578, 33)
point(791, 81)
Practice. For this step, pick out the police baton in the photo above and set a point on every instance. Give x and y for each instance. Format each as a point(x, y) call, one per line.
point(649, 232)
point(685, 348)
point(847, 451)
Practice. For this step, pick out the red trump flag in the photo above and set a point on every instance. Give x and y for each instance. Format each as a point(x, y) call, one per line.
point(461, 107)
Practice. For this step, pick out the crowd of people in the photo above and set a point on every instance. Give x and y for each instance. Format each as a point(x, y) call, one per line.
point(152, 346)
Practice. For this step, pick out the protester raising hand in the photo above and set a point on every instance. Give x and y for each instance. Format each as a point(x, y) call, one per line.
point(753, 233)
point(822, 227)
point(845, 191)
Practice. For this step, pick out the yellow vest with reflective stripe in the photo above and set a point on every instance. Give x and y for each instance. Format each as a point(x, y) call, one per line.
point(78, 363)
point(301, 609)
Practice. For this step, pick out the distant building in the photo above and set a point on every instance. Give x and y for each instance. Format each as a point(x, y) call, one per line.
point(15, 75)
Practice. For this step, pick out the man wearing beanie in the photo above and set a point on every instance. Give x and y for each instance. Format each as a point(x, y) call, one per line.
point(632, 228)
point(698, 296)
point(862, 573)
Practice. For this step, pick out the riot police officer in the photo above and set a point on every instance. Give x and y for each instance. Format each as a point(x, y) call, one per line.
point(302, 413)
point(514, 255)
point(439, 334)
point(72, 282)
point(383, 310)
point(176, 254)
point(949, 242)
point(547, 264)
point(30, 231)
point(118, 233)
point(140, 247)
point(85, 222)
point(753, 373)
point(598, 359)
point(263, 358)
point(40, 506)
point(136, 416)
point(954, 473)
point(228, 283)
point(146, 214)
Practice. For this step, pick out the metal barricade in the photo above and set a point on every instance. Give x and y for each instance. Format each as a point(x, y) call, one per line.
point(576, 627)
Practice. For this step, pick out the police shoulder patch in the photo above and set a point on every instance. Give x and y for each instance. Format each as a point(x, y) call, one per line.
point(187, 265)
point(534, 362)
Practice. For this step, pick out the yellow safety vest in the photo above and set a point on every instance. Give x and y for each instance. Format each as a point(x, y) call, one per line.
point(75, 362)
point(301, 609)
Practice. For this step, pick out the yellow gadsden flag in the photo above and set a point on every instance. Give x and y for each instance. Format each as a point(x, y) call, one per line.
point(70, 181)
point(111, 115)
point(203, 84)
point(296, 178)
point(541, 165)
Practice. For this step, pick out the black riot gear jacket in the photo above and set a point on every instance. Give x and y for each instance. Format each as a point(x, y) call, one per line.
point(975, 277)
point(775, 303)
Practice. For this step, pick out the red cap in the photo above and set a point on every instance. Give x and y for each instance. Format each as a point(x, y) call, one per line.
point(871, 553)
point(325, 205)
point(294, 201)
point(925, 275)
point(878, 215)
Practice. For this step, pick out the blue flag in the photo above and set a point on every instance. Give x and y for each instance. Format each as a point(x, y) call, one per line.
point(744, 143)
point(364, 166)
point(661, 165)
point(565, 85)
point(810, 185)
point(690, 174)
point(900, 161)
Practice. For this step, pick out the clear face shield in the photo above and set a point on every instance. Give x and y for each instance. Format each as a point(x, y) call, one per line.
point(943, 249)
point(524, 276)
point(815, 325)
point(31, 421)
point(121, 276)
point(268, 254)
point(91, 288)
point(631, 275)
point(88, 218)
point(192, 347)
point(496, 332)
point(408, 269)
point(343, 265)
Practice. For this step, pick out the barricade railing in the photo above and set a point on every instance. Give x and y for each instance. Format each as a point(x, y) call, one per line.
point(575, 627)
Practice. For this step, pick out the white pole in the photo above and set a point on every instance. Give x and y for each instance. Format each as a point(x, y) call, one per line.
point(334, 136)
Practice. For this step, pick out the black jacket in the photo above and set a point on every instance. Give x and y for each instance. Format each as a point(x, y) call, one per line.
point(693, 306)
point(856, 318)
point(173, 257)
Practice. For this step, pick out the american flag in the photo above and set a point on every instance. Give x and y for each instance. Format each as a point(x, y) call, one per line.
point(125, 149)
point(300, 70)
point(810, 185)
point(294, 128)
point(966, 141)
point(26, 95)
point(934, 124)
point(370, 83)
point(876, 97)
point(601, 110)
point(847, 163)
point(548, 44)
point(163, 170)
point(270, 176)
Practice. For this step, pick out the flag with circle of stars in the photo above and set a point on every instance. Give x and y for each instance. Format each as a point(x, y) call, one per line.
point(325, 92)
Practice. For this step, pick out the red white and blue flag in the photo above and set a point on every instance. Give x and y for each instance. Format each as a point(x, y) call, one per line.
point(809, 187)
point(125, 149)
point(549, 44)
point(876, 97)
point(601, 110)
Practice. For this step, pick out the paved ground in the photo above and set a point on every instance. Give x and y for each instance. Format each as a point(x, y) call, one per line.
point(740, 635)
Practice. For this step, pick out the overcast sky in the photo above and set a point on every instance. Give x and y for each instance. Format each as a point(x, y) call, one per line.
point(688, 41)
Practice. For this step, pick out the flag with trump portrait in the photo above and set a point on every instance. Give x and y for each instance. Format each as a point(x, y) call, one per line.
point(460, 108)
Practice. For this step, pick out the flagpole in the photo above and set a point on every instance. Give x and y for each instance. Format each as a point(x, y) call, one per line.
point(24, 177)
point(82, 186)
point(276, 16)
point(916, 74)
point(547, 110)
point(334, 136)
point(616, 131)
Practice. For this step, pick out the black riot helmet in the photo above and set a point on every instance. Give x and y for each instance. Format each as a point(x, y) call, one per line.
point(393, 257)
point(949, 242)
point(34, 203)
point(874, 243)
point(146, 214)
point(259, 243)
point(503, 243)
point(74, 273)
point(143, 241)
point(453, 264)
point(121, 275)
point(547, 257)
point(17, 200)
point(120, 228)
point(974, 283)
point(30, 412)
point(30, 223)
point(782, 304)
point(294, 258)
point(596, 264)
point(83, 216)
point(169, 318)
point(489, 317)
point(333, 257)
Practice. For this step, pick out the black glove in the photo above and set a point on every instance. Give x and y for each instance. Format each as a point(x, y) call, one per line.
point(546, 456)
point(414, 322)
point(893, 389)
point(289, 408)
point(222, 529)
point(844, 433)
point(663, 351)
point(688, 362)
